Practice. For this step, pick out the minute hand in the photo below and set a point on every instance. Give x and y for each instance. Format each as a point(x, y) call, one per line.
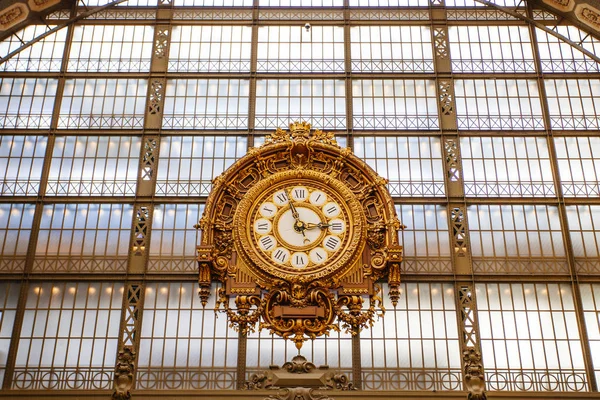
point(320, 225)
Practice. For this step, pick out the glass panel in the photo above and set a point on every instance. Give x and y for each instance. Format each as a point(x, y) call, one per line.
point(590, 299)
point(321, 102)
point(210, 49)
point(84, 238)
point(206, 103)
point(9, 298)
point(529, 337)
point(425, 241)
point(573, 103)
point(558, 56)
point(94, 165)
point(103, 103)
point(296, 49)
point(183, 345)
point(509, 166)
point(391, 49)
point(415, 346)
point(395, 104)
point(413, 165)
point(27, 102)
point(111, 48)
point(69, 336)
point(45, 55)
point(21, 162)
point(584, 228)
point(188, 164)
point(498, 104)
point(174, 238)
point(491, 49)
point(579, 165)
point(518, 239)
point(16, 222)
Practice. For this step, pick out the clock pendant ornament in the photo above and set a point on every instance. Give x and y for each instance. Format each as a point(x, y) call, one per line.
point(298, 232)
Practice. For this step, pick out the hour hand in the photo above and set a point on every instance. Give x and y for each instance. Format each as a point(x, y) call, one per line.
point(320, 225)
point(292, 207)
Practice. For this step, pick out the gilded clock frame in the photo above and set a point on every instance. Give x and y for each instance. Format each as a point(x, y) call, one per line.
point(292, 304)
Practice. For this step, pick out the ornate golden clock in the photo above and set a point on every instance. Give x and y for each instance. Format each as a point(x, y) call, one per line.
point(298, 232)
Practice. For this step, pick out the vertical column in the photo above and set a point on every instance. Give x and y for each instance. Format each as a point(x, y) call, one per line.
point(37, 217)
point(585, 343)
point(356, 353)
point(474, 378)
point(348, 77)
point(253, 67)
point(128, 342)
point(131, 319)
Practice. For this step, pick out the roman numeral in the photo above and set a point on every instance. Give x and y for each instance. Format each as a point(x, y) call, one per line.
point(267, 242)
point(299, 193)
point(267, 209)
point(331, 243)
point(262, 226)
point(318, 197)
point(331, 210)
point(336, 226)
point(279, 255)
point(281, 197)
point(299, 260)
point(318, 255)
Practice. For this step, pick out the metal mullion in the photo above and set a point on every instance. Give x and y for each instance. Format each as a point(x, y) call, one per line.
point(72, 319)
point(176, 339)
point(60, 311)
point(504, 337)
point(514, 317)
point(35, 322)
point(539, 313)
point(152, 321)
point(566, 327)
point(435, 355)
point(164, 329)
point(87, 308)
point(551, 319)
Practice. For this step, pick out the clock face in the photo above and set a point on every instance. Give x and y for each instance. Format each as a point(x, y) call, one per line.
point(299, 226)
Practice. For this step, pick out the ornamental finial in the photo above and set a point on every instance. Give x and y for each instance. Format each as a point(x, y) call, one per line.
point(300, 129)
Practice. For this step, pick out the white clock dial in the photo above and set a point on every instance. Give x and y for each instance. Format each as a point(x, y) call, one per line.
point(332, 243)
point(280, 255)
point(317, 198)
point(268, 209)
point(262, 226)
point(318, 255)
point(337, 226)
point(267, 243)
point(331, 209)
point(280, 198)
point(299, 193)
point(287, 233)
point(299, 259)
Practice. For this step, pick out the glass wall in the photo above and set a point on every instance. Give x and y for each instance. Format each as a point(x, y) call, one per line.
point(487, 130)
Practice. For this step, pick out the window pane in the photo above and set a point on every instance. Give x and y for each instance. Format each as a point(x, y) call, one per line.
point(84, 237)
point(69, 339)
point(21, 162)
point(395, 104)
point(529, 337)
point(183, 345)
point(94, 166)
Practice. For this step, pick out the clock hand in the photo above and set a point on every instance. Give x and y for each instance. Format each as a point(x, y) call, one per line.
point(292, 207)
point(320, 225)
